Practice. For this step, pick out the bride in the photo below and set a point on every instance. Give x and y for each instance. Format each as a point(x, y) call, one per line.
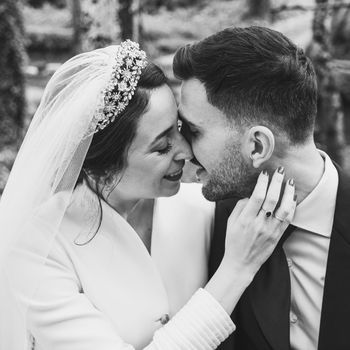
point(94, 251)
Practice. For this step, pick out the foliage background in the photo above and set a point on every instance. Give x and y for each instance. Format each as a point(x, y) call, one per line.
point(48, 31)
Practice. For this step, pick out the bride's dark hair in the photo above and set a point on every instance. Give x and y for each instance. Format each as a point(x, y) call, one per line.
point(107, 154)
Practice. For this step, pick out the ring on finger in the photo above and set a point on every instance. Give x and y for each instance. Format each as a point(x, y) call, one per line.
point(266, 212)
point(278, 218)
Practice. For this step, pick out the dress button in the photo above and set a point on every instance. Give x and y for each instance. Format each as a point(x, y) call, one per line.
point(290, 262)
point(164, 319)
point(293, 317)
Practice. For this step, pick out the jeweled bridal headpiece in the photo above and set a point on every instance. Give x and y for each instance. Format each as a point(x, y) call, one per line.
point(127, 68)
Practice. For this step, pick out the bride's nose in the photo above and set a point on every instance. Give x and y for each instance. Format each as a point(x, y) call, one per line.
point(184, 150)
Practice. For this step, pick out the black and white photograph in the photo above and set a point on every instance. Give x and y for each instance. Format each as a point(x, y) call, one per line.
point(174, 174)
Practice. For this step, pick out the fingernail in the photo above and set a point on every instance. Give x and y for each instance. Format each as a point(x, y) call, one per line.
point(295, 198)
point(291, 182)
point(280, 170)
point(265, 172)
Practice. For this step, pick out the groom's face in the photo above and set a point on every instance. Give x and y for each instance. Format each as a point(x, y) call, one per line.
point(216, 144)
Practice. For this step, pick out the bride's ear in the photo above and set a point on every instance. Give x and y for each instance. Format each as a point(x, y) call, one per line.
point(259, 144)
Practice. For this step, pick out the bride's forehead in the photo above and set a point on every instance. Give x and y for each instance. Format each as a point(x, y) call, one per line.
point(153, 127)
point(161, 109)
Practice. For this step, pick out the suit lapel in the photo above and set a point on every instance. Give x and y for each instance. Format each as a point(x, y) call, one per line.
point(334, 327)
point(261, 323)
point(271, 301)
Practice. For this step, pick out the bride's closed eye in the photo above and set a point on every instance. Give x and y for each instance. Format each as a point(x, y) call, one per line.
point(166, 149)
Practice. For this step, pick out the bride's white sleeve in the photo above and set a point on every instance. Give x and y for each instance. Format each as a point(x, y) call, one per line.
point(60, 316)
point(202, 324)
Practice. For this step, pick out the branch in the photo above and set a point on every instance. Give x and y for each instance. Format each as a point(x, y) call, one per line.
point(283, 8)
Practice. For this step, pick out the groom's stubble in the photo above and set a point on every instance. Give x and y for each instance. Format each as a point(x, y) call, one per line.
point(232, 177)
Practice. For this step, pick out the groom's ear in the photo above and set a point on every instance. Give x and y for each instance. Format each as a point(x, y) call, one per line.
point(259, 145)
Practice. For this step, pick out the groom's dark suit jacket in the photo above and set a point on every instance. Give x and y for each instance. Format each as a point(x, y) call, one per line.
point(263, 326)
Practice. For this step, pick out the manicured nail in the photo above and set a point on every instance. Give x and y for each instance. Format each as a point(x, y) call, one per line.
point(295, 198)
point(280, 170)
point(291, 182)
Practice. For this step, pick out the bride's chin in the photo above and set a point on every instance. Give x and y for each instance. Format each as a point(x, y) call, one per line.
point(170, 188)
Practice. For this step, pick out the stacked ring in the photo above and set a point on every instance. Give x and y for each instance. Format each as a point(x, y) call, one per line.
point(278, 218)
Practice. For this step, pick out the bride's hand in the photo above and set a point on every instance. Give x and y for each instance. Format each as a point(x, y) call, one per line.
point(253, 230)
point(256, 224)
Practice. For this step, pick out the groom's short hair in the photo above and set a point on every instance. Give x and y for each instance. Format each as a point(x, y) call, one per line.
point(254, 74)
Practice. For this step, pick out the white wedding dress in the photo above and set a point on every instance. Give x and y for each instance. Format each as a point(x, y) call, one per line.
point(109, 291)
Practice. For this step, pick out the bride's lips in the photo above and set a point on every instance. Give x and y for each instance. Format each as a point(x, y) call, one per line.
point(176, 176)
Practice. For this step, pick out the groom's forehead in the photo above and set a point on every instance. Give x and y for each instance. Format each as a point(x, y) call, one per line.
point(194, 107)
point(193, 91)
point(193, 102)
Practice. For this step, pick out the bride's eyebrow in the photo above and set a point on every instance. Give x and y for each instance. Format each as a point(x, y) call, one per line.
point(162, 134)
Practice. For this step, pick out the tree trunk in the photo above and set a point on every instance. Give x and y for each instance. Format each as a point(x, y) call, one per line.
point(340, 38)
point(77, 27)
point(12, 93)
point(137, 22)
point(330, 118)
point(125, 15)
point(259, 8)
point(340, 31)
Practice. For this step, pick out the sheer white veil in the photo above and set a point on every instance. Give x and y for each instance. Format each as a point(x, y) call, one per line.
point(48, 165)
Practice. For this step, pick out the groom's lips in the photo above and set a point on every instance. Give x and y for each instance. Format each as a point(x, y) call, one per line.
point(200, 173)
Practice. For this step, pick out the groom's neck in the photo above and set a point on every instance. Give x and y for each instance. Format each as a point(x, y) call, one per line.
point(305, 165)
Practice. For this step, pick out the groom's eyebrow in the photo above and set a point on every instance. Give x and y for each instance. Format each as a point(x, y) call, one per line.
point(183, 119)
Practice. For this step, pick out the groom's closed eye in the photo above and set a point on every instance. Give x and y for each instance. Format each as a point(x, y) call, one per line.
point(188, 133)
point(187, 129)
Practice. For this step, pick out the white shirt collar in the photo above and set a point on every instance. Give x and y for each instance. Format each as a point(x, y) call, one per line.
point(316, 212)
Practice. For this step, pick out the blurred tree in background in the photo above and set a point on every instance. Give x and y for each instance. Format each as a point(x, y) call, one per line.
point(155, 5)
point(39, 3)
point(340, 40)
point(58, 29)
point(12, 92)
point(99, 26)
point(129, 19)
point(330, 116)
point(125, 16)
point(340, 31)
point(259, 8)
point(77, 26)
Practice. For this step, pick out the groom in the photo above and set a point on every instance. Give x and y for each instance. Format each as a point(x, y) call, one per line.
point(248, 102)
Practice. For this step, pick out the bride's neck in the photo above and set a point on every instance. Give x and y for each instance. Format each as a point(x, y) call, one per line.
point(122, 204)
point(138, 213)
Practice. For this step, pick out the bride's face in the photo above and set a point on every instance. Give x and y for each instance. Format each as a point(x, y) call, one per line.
point(158, 152)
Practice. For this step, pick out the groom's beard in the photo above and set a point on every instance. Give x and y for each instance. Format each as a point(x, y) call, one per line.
point(232, 177)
